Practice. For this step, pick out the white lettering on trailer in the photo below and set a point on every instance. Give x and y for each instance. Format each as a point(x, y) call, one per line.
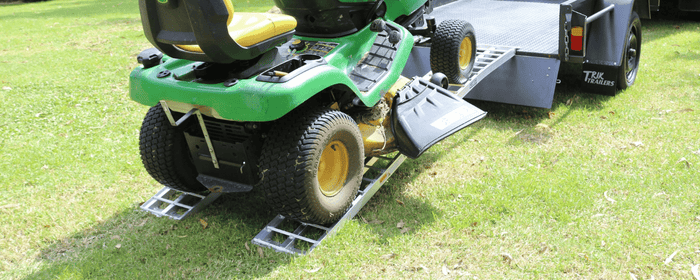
point(596, 78)
point(451, 118)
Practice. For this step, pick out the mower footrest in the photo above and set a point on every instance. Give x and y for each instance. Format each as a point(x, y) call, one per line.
point(177, 205)
point(425, 114)
point(288, 236)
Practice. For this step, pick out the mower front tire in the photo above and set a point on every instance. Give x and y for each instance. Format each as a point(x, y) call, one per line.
point(165, 154)
point(311, 165)
point(453, 50)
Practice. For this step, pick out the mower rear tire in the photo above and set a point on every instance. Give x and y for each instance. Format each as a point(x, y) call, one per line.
point(311, 165)
point(453, 50)
point(165, 154)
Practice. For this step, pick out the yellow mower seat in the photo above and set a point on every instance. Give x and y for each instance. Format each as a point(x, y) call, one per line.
point(248, 29)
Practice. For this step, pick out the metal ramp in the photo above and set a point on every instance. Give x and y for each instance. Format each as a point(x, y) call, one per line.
point(177, 205)
point(488, 59)
point(284, 235)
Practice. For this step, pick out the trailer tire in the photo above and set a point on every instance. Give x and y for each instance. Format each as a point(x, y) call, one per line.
point(453, 50)
point(311, 165)
point(630, 53)
point(165, 154)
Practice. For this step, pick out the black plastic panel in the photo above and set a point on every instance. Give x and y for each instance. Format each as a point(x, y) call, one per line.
point(375, 65)
point(326, 18)
point(291, 68)
point(237, 151)
point(200, 22)
point(224, 186)
point(424, 114)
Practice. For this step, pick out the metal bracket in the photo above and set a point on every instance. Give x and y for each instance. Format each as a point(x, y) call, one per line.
point(169, 114)
point(207, 138)
point(195, 111)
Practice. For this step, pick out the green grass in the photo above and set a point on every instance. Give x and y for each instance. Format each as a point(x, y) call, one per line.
point(517, 195)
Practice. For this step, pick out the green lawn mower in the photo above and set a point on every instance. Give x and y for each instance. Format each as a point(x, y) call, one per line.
point(293, 103)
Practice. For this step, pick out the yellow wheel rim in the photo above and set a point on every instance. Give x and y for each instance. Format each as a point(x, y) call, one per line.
point(333, 168)
point(465, 53)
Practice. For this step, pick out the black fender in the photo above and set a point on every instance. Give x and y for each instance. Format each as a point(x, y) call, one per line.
point(605, 43)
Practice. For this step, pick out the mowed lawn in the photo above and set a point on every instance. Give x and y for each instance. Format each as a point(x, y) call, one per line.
point(595, 187)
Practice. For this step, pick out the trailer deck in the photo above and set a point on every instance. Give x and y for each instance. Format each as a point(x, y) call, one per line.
point(531, 27)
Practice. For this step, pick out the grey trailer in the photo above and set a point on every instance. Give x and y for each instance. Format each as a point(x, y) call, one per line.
point(603, 35)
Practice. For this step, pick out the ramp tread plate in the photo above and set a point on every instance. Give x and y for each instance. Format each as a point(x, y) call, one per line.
point(488, 59)
point(176, 204)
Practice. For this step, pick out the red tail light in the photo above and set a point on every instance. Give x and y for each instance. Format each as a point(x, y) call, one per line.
point(577, 38)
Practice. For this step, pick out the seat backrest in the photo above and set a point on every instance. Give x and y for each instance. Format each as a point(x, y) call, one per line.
point(167, 23)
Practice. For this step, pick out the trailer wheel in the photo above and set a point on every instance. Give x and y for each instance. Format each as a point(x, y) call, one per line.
point(453, 50)
point(631, 53)
point(311, 165)
point(165, 154)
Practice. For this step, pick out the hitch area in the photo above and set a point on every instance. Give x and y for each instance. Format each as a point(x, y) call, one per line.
point(425, 113)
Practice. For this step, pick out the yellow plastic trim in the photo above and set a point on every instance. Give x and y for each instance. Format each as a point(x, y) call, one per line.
point(229, 8)
point(248, 29)
point(465, 53)
point(251, 28)
point(333, 168)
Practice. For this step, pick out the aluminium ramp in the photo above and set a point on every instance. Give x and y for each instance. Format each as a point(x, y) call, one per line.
point(176, 204)
point(488, 59)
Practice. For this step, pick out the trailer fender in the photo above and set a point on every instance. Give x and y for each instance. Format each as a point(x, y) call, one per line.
point(605, 43)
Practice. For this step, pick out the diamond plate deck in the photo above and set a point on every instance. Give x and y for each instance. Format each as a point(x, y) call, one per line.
point(528, 26)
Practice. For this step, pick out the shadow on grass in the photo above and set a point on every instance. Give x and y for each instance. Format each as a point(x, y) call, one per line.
point(391, 212)
point(523, 120)
point(134, 244)
point(391, 206)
